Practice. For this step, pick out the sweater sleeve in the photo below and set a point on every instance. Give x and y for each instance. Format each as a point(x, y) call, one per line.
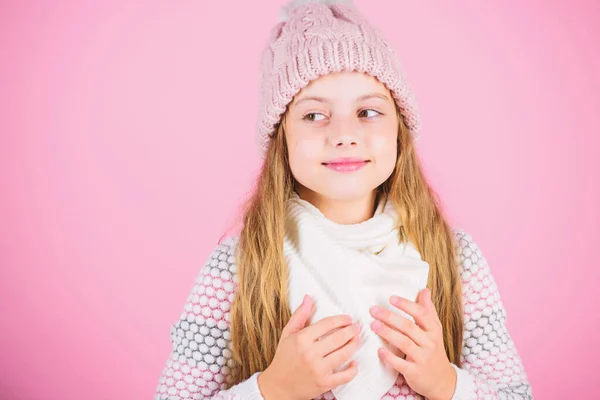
point(491, 366)
point(201, 345)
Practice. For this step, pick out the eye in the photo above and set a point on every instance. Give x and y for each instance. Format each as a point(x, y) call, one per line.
point(365, 113)
point(313, 117)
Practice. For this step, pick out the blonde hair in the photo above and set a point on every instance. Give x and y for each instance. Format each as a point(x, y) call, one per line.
point(260, 308)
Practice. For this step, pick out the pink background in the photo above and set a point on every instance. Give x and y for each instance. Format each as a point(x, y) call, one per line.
point(127, 142)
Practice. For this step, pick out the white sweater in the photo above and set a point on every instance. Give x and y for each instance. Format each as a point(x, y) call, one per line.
point(201, 355)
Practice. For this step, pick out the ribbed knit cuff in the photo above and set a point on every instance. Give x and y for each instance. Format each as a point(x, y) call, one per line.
point(466, 389)
point(248, 389)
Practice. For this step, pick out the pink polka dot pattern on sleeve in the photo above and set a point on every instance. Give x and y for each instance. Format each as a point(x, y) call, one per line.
point(495, 369)
point(201, 355)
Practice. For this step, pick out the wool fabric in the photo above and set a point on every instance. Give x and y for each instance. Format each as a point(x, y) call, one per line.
point(346, 269)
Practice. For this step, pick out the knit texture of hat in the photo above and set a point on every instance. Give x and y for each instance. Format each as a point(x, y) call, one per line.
point(315, 38)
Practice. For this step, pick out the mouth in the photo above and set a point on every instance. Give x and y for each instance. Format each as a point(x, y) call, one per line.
point(346, 164)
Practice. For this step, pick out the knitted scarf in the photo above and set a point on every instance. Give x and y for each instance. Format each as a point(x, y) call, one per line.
point(347, 269)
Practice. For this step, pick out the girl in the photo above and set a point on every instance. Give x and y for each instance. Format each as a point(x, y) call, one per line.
point(388, 301)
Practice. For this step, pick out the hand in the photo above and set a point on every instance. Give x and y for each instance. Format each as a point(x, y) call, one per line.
point(426, 367)
point(306, 357)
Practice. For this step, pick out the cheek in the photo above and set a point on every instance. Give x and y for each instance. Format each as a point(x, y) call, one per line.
point(304, 153)
point(307, 149)
point(384, 145)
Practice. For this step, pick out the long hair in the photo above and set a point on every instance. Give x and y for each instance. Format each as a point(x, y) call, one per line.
point(260, 308)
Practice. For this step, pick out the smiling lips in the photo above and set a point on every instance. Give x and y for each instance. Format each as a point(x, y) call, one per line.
point(346, 164)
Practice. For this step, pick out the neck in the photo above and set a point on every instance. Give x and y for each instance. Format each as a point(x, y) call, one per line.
point(351, 211)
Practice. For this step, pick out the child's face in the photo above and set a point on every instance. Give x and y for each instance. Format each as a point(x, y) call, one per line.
point(346, 114)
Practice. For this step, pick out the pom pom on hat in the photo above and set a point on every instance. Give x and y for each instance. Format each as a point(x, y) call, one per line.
point(284, 12)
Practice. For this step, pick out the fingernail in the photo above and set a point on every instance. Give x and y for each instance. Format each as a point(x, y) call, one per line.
point(394, 300)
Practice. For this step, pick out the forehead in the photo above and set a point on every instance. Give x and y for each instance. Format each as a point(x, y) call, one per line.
point(343, 86)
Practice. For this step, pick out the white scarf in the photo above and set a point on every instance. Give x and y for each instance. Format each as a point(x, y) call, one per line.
point(347, 269)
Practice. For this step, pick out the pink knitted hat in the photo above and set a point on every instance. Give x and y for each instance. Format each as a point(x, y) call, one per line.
point(314, 38)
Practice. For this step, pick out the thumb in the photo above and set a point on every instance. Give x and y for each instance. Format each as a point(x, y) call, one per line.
point(300, 317)
point(425, 297)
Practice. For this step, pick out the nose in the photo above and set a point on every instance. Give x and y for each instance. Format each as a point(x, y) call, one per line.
point(343, 133)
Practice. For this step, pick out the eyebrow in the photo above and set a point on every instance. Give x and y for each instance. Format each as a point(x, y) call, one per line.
point(361, 98)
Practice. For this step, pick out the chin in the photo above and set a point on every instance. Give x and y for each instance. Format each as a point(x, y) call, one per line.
point(346, 192)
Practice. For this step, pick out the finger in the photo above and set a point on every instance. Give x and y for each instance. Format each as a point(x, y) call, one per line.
point(339, 378)
point(336, 340)
point(425, 299)
point(325, 325)
point(397, 339)
point(299, 318)
point(422, 316)
point(399, 364)
point(402, 324)
point(343, 354)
